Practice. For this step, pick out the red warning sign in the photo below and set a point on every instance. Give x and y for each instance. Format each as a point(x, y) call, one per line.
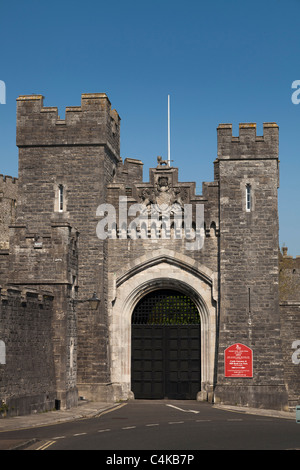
point(238, 361)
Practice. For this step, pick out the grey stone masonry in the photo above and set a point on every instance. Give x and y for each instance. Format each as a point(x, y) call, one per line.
point(49, 262)
point(27, 371)
point(92, 123)
point(249, 300)
point(8, 204)
point(79, 154)
point(49, 242)
point(289, 296)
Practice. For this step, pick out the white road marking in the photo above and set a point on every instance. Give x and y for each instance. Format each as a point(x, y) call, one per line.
point(185, 411)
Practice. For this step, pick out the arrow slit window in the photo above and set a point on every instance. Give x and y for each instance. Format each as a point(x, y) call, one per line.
point(248, 198)
point(61, 198)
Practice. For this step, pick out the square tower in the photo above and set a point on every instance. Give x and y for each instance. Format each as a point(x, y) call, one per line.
point(248, 173)
point(64, 169)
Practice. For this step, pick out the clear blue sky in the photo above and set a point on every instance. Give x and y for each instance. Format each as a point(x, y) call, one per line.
point(221, 62)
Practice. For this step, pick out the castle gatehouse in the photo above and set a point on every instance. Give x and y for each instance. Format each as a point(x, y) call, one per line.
point(190, 288)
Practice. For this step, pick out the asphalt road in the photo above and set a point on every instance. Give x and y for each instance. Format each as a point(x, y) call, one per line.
point(165, 426)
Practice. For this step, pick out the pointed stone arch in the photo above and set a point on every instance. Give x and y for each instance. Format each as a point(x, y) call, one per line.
point(170, 270)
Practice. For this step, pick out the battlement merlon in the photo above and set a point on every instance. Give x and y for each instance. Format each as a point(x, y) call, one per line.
point(92, 123)
point(6, 180)
point(8, 191)
point(248, 144)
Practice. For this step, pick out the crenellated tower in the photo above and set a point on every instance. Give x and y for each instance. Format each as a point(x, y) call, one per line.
point(247, 168)
point(64, 169)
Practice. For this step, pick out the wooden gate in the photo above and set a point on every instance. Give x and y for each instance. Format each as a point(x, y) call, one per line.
point(165, 353)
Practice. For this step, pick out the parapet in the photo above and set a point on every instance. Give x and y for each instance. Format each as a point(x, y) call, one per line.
point(8, 179)
point(129, 171)
point(8, 186)
point(8, 205)
point(92, 123)
point(42, 258)
point(248, 144)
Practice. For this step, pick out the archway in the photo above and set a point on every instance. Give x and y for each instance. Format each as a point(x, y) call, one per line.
point(168, 270)
point(165, 351)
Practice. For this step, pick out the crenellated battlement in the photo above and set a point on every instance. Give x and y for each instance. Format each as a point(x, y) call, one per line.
point(248, 144)
point(44, 257)
point(6, 180)
point(92, 123)
point(8, 192)
point(8, 205)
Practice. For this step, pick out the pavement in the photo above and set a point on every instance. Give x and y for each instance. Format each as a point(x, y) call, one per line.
point(259, 412)
point(86, 409)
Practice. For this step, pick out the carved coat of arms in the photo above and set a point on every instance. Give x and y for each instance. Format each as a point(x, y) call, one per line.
point(163, 198)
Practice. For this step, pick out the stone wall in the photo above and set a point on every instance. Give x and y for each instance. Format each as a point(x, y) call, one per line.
point(27, 371)
point(290, 338)
point(8, 204)
point(50, 261)
point(289, 277)
point(249, 301)
point(146, 193)
point(81, 154)
point(289, 290)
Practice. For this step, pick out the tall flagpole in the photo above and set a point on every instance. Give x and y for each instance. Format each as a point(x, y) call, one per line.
point(169, 139)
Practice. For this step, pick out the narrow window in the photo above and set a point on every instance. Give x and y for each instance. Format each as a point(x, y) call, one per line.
point(60, 198)
point(248, 198)
point(2, 353)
